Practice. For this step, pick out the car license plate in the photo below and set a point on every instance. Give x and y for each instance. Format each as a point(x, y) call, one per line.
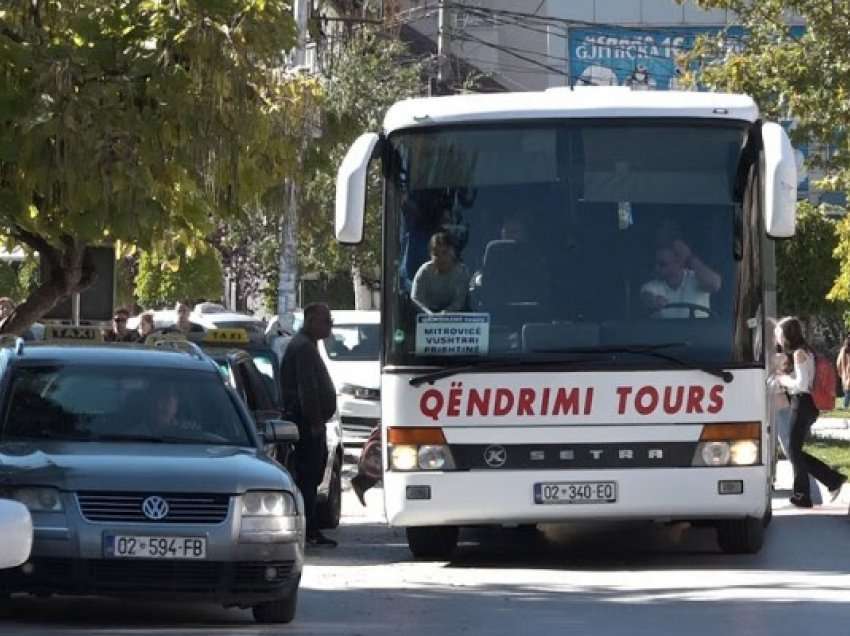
point(575, 492)
point(123, 546)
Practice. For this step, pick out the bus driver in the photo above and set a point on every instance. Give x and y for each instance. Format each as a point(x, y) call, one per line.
point(682, 278)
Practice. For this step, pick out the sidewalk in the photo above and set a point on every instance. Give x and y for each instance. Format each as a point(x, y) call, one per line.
point(832, 428)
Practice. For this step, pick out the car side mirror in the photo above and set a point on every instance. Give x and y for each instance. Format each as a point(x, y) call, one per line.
point(16, 530)
point(278, 431)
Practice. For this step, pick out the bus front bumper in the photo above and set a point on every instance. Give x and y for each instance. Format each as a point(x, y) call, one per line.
point(508, 497)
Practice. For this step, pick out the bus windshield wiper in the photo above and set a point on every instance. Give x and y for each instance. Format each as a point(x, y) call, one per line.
point(493, 365)
point(655, 351)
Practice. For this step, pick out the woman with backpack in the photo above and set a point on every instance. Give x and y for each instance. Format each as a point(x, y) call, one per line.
point(799, 382)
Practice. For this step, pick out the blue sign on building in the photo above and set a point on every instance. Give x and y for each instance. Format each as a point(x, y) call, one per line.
point(648, 58)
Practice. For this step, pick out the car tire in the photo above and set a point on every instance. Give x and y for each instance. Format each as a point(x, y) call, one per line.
point(433, 542)
point(740, 536)
point(279, 611)
point(330, 510)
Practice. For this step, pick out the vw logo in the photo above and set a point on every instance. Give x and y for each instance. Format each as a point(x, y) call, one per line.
point(495, 456)
point(155, 508)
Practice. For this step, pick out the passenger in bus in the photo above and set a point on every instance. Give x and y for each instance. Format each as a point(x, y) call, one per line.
point(441, 284)
point(682, 278)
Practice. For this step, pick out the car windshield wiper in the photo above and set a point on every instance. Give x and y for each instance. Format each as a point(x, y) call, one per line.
point(653, 350)
point(151, 439)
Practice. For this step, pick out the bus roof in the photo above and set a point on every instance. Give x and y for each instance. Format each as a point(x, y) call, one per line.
point(563, 102)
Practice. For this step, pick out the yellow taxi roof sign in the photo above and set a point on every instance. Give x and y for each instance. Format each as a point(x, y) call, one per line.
point(66, 334)
point(226, 336)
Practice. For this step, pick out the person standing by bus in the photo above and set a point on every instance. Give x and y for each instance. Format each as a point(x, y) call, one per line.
point(798, 383)
point(309, 400)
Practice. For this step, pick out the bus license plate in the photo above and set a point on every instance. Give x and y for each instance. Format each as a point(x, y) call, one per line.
point(147, 547)
point(575, 492)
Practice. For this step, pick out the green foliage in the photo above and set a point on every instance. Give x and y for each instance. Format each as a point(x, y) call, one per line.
point(805, 266)
point(17, 280)
point(161, 282)
point(9, 285)
point(371, 74)
point(143, 122)
point(802, 77)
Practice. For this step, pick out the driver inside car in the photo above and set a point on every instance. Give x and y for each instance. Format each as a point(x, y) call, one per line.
point(683, 284)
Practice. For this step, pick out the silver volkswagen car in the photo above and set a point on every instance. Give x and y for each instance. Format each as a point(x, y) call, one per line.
point(145, 476)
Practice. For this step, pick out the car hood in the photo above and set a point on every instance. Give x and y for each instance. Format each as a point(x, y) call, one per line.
point(132, 467)
point(366, 373)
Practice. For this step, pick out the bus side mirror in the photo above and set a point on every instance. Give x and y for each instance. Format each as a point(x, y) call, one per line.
point(16, 530)
point(780, 182)
point(351, 189)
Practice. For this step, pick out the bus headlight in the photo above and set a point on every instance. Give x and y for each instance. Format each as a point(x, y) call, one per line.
point(435, 458)
point(745, 452)
point(404, 457)
point(715, 453)
point(415, 448)
point(729, 444)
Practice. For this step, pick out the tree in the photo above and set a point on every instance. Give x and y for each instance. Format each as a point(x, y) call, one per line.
point(804, 77)
point(163, 282)
point(371, 74)
point(138, 122)
point(806, 269)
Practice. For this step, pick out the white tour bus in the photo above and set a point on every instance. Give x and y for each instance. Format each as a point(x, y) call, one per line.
point(598, 346)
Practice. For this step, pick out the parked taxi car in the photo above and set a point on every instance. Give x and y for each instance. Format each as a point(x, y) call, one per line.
point(251, 368)
point(145, 476)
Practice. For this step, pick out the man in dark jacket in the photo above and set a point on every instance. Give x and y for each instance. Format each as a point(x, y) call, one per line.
point(309, 399)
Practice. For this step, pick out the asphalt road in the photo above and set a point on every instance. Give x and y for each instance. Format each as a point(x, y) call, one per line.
point(601, 579)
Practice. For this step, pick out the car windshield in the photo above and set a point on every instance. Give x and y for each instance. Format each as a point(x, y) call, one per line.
point(354, 342)
point(99, 404)
point(597, 233)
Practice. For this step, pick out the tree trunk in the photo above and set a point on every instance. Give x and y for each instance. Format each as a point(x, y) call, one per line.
point(69, 271)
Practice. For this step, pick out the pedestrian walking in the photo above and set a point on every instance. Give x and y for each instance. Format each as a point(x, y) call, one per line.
point(842, 363)
point(798, 382)
point(309, 400)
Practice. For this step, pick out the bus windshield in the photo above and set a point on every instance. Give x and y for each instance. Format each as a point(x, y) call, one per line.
point(526, 240)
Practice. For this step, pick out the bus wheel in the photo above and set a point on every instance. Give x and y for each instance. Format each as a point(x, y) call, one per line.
point(432, 542)
point(740, 536)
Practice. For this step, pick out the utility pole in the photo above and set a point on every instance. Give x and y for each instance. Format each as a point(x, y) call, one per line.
point(287, 285)
point(443, 48)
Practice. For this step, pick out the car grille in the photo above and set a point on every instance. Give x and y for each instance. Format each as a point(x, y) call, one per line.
point(118, 576)
point(356, 429)
point(127, 507)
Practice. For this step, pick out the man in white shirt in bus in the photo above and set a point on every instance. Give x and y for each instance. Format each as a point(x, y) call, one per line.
point(682, 279)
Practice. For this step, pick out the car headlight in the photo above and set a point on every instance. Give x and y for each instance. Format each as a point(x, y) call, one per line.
point(268, 517)
point(267, 504)
point(38, 499)
point(348, 389)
